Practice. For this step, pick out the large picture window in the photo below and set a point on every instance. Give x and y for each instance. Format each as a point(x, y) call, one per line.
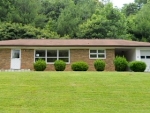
point(97, 54)
point(50, 56)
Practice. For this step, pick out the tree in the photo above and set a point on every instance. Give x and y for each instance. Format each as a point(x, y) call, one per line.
point(52, 9)
point(68, 21)
point(74, 14)
point(4, 9)
point(141, 28)
point(141, 3)
point(26, 12)
point(9, 31)
point(108, 22)
point(130, 9)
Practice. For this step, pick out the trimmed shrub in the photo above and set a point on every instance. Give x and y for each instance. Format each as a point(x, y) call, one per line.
point(79, 66)
point(39, 65)
point(99, 65)
point(120, 63)
point(59, 65)
point(137, 66)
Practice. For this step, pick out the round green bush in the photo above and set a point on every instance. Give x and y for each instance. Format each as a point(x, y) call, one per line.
point(137, 66)
point(99, 65)
point(39, 65)
point(59, 65)
point(79, 66)
point(120, 63)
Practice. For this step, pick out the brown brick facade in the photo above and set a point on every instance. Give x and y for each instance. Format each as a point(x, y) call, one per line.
point(110, 56)
point(27, 59)
point(5, 57)
point(83, 55)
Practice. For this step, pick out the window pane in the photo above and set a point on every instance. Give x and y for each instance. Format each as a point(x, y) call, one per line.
point(101, 56)
point(93, 51)
point(40, 53)
point(101, 51)
point(93, 56)
point(16, 54)
point(148, 57)
point(39, 58)
point(142, 57)
point(51, 60)
point(63, 53)
point(64, 59)
point(52, 53)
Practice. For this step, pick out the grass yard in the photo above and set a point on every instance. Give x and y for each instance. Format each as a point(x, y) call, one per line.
point(74, 92)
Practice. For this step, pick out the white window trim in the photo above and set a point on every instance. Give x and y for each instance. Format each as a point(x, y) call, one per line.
point(97, 54)
point(52, 57)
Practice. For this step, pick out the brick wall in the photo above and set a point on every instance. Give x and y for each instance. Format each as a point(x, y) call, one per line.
point(27, 59)
point(83, 55)
point(5, 57)
point(110, 56)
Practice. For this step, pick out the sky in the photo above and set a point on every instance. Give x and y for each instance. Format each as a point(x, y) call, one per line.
point(119, 3)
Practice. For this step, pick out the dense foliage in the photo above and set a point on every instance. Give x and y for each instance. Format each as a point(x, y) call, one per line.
point(59, 65)
point(137, 66)
point(39, 65)
point(99, 65)
point(79, 66)
point(74, 19)
point(9, 31)
point(120, 63)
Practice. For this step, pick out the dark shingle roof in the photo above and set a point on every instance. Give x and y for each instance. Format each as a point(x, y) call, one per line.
point(74, 43)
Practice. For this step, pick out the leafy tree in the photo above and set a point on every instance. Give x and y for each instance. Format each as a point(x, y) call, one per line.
point(85, 8)
point(4, 9)
point(74, 14)
point(26, 12)
point(108, 22)
point(131, 27)
point(68, 21)
point(52, 9)
point(130, 9)
point(141, 2)
point(9, 31)
point(141, 24)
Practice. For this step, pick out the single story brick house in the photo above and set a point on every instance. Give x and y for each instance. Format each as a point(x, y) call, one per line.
point(22, 53)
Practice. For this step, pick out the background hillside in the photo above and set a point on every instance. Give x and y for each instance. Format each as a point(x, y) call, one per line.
point(74, 19)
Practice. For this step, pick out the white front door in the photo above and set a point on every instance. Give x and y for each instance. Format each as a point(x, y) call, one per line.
point(15, 59)
point(145, 57)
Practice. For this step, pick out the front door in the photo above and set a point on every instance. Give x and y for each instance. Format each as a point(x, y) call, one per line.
point(15, 59)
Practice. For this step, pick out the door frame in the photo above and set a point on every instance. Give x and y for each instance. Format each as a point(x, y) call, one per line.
point(16, 58)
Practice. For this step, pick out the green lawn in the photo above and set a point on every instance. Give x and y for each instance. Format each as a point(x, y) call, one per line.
point(74, 92)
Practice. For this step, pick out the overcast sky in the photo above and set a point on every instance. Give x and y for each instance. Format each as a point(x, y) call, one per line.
point(119, 3)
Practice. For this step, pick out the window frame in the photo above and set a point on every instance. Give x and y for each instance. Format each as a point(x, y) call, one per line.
point(57, 57)
point(97, 54)
point(145, 57)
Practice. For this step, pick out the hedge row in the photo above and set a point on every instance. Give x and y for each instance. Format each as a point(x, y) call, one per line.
point(40, 65)
point(120, 63)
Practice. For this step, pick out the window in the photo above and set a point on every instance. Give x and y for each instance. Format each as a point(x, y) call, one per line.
point(97, 54)
point(142, 57)
point(50, 56)
point(16, 54)
point(145, 57)
point(39, 54)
